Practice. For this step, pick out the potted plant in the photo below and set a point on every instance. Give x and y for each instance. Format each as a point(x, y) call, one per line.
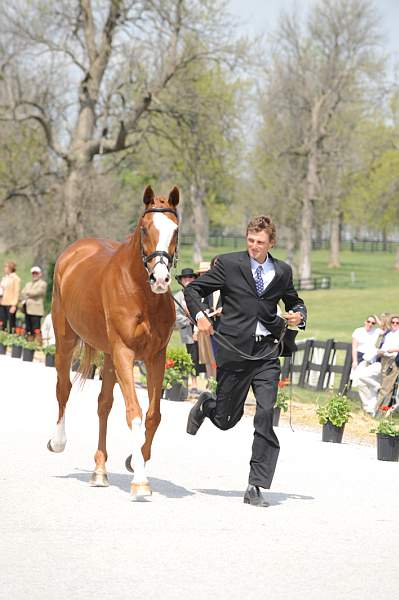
point(282, 401)
point(333, 416)
point(28, 349)
point(49, 355)
point(387, 432)
point(17, 344)
point(178, 368)
point(5, 341)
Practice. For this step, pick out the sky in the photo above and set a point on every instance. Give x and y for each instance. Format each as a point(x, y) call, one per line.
point(262, 16)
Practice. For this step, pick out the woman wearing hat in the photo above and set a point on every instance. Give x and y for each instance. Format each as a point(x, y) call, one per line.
point(33, 296)
point(10, 287)
point(184, 324)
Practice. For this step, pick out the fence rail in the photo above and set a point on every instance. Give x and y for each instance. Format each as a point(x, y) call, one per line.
point(238, 241)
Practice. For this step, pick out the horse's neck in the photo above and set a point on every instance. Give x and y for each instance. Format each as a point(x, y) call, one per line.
point(133, 257)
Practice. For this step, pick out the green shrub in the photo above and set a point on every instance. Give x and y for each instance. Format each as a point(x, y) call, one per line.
point(336, 411)
point(387, 426)
point(50, 349)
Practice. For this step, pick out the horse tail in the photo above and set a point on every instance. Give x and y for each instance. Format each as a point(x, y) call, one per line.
point(87, 355)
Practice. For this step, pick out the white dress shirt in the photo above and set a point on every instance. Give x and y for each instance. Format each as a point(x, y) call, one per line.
point(268, 274)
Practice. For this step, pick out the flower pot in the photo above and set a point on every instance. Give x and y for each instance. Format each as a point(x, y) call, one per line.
point(49, 360)
point(27, 354)
point(276, 416)
point(331, 433)
point(178, 392)
point(388, 447)
point(3, 349)
point(16, 351)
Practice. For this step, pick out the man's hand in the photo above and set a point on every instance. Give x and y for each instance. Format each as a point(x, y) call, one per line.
point(204, 325)
point(293, 319)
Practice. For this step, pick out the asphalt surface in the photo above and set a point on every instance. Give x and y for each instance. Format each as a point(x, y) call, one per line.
point(332, 530)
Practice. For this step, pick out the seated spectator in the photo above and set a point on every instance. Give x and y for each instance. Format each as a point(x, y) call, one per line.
point(364, 339)
point(33, 296)
point(375, 372)
point(48, 336)
point(184, 325)
point(10, 287)
point(388, 354)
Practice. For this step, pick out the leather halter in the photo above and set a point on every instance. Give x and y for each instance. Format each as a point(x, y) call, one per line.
point(172, 259)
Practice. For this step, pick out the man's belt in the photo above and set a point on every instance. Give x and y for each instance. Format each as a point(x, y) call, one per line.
point(265, 338)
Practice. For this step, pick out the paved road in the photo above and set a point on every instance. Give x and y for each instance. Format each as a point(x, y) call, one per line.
point(330, 533)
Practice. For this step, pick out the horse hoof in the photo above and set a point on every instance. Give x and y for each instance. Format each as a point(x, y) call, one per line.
point(55, 449)
point(128, 464)
point(99, 479)
point(139, 492)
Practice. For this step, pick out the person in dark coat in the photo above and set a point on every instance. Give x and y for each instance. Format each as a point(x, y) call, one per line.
point(251, 284)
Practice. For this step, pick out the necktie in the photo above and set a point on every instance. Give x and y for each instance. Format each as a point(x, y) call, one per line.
point(259, 280)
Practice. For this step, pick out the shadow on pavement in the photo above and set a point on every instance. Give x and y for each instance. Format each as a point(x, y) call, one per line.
point(160, 486)
point(274, 498)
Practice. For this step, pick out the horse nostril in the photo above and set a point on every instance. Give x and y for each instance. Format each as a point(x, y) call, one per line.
point(152, 279)
point(167, 278)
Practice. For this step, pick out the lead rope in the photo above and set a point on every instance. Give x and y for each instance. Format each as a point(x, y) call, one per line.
point(228, 345)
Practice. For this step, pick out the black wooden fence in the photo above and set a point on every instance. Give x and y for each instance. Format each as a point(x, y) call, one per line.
point(315, 364)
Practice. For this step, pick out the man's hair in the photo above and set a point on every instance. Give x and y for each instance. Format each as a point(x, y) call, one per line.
point(263, 223)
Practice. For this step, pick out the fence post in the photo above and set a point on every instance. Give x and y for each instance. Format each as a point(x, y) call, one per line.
point(305, 360)
point(325, 364)
point(346, 370)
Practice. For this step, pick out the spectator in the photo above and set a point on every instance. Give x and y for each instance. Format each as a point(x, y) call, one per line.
point(371, 374)
point(184, 325)
point(10, 287)
point(205, 347)
point(33, 296)
point(48, 336)
point(364, 339)
point(388, 353)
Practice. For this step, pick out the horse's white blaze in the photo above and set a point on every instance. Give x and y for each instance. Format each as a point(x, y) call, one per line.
point(138, 439)
point(58, 442)
point(166, 229)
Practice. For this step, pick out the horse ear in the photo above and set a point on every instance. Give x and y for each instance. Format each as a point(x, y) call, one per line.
point(174, 196)
point(148, 195)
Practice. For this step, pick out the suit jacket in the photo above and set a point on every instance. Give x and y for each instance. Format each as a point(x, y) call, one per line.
point(242, 307)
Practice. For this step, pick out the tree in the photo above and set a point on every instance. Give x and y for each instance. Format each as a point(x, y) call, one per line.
point(315, 73)
point(88, 72)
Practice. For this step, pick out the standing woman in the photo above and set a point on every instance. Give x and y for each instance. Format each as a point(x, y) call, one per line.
point(10, 287)
point(33, 296)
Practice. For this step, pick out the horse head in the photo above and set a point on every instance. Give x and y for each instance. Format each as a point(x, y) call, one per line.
point(159, 237)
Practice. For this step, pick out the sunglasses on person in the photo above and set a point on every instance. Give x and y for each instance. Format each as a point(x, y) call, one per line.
point(371, 322)
point(395, 322)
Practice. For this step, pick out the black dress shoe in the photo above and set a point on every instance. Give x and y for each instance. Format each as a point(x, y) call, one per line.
point(254, 496)
point(196, 415)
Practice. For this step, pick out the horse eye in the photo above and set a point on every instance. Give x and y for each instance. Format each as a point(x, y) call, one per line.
point(144, 230)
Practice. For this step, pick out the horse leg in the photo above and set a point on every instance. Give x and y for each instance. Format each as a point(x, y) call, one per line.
point(155, 372)
point(99, 477)
point(65, 343)
point(123, 359)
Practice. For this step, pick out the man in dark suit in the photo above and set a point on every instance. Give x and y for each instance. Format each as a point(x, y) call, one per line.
point(251, 284)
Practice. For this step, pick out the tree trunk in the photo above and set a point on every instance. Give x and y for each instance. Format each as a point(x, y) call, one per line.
point(290, 246)
point(200, 222)
point(305, 249)
point(335, 241)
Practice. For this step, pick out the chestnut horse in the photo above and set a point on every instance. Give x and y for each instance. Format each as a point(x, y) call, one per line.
point(113, 296)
